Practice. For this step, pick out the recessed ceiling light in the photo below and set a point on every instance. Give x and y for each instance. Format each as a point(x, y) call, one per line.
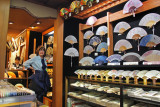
point(38, 22)
point(32, 27)
point(10, 22)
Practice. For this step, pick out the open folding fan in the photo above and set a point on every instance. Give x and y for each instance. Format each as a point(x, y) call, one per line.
point(102, 30)
point(150, 41)
point(88, 34)
point(100, 60)
point(91, 20)
point(152, 55)
point(150, 20)
point(131, 57)
point(122, 45)
point(86, 61)
point(88, 49)
point(152, 73)
point(102, 47)
point(11, 75)
point(131, 6)
point(114, 58)
point(94, 41)
point(72, 52)
point(71, 39)
point(136, 34)
point(121, 27)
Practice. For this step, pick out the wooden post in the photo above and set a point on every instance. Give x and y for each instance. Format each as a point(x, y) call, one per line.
point(81, 42)
point(27, 44)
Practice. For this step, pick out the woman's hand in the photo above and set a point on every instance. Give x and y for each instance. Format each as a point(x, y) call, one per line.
point(32, 70)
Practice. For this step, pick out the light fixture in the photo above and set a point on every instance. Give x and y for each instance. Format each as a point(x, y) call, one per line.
point(32, 27)
point(51, 32)
point(10, 22)
point(38, 22)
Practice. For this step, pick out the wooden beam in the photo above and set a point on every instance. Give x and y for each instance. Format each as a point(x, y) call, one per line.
point(27, 44)
point(81, 42)
point(4, 17)
point(147, 5)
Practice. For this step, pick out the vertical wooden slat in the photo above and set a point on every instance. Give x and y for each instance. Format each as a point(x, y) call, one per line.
point(27, 44)
point(81, 42)
point(4, 16)
point(110, 35)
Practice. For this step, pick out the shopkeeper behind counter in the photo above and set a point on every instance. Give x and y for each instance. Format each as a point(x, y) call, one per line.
point(17, 65)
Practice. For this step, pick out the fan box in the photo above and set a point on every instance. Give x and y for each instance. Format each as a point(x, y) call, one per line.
point(130, 63)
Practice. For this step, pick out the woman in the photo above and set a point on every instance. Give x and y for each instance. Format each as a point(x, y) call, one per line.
point(17, 65)
point(39, 79)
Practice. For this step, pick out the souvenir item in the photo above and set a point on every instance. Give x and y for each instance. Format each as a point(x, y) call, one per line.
point(74, 7)
point(71, 39)
point(114, 58)
point(150, 41)
point(131, 6)
point(19, 85)
point(131, 57)
point(102, 30)
point(121, 27)
point(142, 73)
point(152, 73)
point(87, 2)
point(49, 51)
point(88, 49)
point(122, 45)
point(94, 41)
point(152, 55)
point(11, 75)
point(88, 34)
point(72, 52)
point(64, 13)
point(21, 74)
point(102, 47)
point(50, 40)
point(100, 60)
point(86, 61)
point(91, 20)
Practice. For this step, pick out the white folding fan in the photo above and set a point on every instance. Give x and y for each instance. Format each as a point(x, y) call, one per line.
point(114, 58)
point(122, 45)
point(101, 31)
point(102, 47)
point(88, 49)
point(131, 57)
point(121, 27)
point(136, 34)
point(71, 39)
point(152, 73)
point(152, 55)
point(142, 73)
point(86, 61)
point(88, 34)
point(150, 20)
point(72, 52)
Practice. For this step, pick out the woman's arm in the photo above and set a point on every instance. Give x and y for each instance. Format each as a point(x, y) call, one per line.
point(27, 64)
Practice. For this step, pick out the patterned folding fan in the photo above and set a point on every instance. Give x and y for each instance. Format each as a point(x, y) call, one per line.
point(94, 41)
point(102, 47)
point(152, 55)
point(91, 20)
point(102, 30)
point(86, 61)
point(88, 49)
point(64, 12)
point(121, 27)
point(21, 74)
point(150, 41)
point(74, 5)
point(131, 6)
point(88, 34)
point(122, 45)
point(72, 52)
point(131, 57)
point(11, 74)
point(114, 58)
point(71, 39)
point(100, 60)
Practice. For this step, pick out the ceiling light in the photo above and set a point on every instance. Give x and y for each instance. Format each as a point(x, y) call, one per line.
point(38, 22)
point(10, 22)
point(51, 32)
point(32, 27)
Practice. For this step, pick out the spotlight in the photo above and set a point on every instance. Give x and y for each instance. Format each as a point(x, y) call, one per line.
point(10, 22)
point(38, 22)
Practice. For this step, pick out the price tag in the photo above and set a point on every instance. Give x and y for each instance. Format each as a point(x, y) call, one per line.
point(130, 63)
point(113, 63)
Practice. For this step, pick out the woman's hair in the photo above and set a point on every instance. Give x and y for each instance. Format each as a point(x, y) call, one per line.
point(41, 48)
point(17, 58)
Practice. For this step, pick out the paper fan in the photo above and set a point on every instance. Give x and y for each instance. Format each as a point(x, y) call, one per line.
point(94, 41)
point(21, 74)
point(152, 55)
point(122, 45)
point(100, 60)
point(88, 49)
point(11, 75)
point(131, 6)
point(91, 20)
point(141, 73)
point(88, 34)
point(71, 39)
point(114, 58)
point(102, 47)
point(86, 61)
point(150, 41)
point(74, 5)
point(131, 57)
point(152, 73)
point(102, 30)
point(121, 27)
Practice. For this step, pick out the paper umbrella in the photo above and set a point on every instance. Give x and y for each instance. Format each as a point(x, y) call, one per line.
point(88, 49)
point(72, 52)
point(86, 61)
point(131, 57)
point(94, 41)
point(91, 20)
point(100, 60)
point(102, 47)
point(101, 31)
point(152, 55)
point(71, 39)
point(122, 45)
point(114, 58)
point(131, 6)
point(121, 27)
point(150, 41)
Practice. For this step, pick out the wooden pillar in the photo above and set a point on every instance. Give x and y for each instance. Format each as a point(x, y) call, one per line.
point(81, 42)
point(58, 62)
point(27, 44)
point(4, 16)
point(110, 35)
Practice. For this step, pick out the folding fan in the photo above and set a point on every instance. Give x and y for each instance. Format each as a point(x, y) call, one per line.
point(88, 49)
point(152, 73)
point(100, 60)
point(119, 73)
point(141, 73)
point(74, 5)
point(131, 6)
point(126, 73)
point(131, 57)
point(11, 75)
point(102, 47)
point(122, 45)
point(91, 20)
point(94, 41)
point(72, 52)
point(150, 41)
point(121, 27)
point(86, 61)
point(152, 55)
point(21, 74)
point(102, 30)
point(133, 73)
point(114, 58)
point(71, 39)
point(88, 34)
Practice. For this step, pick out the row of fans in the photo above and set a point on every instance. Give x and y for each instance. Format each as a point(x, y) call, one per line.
point(149, 56)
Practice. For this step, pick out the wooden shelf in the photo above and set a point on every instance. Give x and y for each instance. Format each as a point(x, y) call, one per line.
point(49, 64)
point(17, 70)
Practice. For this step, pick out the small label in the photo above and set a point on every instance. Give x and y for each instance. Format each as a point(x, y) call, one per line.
point(95, 54)
point(152, 63)
point(130, 63)
point(82, 8)
point(113, 63)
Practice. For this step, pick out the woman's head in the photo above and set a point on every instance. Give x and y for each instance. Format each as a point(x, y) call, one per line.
point(41, 51)
point(17, 59)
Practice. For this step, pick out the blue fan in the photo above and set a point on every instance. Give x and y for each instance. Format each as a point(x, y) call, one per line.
point(114, 58)
point(100, 60)
point(150, 41)
point(94, 41)
point(102, 47)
